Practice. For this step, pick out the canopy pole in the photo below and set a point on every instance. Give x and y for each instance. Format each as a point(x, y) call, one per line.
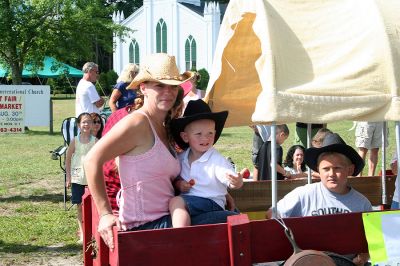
point(309, 132)
point(397, 190)
point(274, 182)
point(69, 82)
point(384, 197)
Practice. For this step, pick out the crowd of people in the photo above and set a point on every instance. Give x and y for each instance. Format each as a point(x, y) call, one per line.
point(153, 165)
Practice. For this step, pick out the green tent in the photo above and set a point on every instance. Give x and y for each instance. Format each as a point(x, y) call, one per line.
point(51, 69)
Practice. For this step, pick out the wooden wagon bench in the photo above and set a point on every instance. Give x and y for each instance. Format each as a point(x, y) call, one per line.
point(240, 241)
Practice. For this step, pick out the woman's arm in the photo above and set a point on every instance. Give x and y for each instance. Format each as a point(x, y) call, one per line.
point(68, 158)
point(115, 95)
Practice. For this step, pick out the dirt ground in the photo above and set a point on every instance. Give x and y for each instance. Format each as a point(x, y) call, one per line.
point(46, 256)
point(40, 259)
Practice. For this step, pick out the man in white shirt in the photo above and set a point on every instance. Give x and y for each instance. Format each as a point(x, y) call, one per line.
point(87, 99)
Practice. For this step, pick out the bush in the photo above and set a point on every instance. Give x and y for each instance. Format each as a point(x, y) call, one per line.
point(106, 80)
point(203, 81)
point(59, 85)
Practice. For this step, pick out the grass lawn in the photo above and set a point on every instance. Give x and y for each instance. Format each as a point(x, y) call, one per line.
point(33, 224)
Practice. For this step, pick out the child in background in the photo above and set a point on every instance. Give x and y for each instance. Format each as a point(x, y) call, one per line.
point(319, 137)
point(263, 161)
point(205, 173)
point(76, 152)
point(97, 128)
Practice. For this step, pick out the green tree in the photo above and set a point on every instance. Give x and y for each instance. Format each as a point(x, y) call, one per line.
point(204, 78)
point(69, 30)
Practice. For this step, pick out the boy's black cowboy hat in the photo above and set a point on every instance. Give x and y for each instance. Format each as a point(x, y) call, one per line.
point(334, 143)
point(197, 110)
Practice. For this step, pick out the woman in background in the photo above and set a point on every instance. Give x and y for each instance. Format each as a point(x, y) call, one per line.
point(97, 128)
point(294, 162)
point(121, 97)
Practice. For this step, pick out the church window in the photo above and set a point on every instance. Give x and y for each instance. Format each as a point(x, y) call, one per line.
point(161, 37)
point(134, 52)
point(190, 53)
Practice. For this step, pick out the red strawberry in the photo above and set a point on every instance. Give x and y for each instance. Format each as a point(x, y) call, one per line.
point(192, 182)
point(245, 173)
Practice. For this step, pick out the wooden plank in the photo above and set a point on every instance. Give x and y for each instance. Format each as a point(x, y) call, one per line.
point(256, 196)
point(87, 227)
point(239, 240)
point(195, 245)
point(371, 187)
point(102, 257)
point(341, 233)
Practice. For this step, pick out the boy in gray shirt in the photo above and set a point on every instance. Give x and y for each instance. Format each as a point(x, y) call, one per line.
point(334, 161)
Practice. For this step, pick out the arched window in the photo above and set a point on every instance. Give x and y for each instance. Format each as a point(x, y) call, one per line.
point(161, 37)
point(134, 52)
point(190, 53)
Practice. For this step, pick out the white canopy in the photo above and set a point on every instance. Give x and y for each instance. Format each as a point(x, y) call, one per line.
point(307, 61)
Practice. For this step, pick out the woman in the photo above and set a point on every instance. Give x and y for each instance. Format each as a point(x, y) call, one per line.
point(147, 162)
point(97, 128)
point(121, 97)
point(294, 162)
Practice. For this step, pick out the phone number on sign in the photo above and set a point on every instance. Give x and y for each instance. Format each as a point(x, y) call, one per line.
point(10, 130)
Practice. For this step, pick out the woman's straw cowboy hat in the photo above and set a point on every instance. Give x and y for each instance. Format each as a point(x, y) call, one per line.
point(334, 143)
point(160, 68)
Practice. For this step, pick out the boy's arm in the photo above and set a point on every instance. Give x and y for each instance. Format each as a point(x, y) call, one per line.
point(235, 181)
point(181, 185)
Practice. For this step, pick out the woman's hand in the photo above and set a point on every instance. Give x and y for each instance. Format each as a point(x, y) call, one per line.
point(106, 223)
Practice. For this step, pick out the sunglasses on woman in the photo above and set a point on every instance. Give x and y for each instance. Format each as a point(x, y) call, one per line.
point(97, 122)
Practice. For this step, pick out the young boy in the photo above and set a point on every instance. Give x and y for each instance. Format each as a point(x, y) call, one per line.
point(205, 173)
point(263, 161)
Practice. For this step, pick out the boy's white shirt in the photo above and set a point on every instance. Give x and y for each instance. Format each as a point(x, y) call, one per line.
point(209, 173)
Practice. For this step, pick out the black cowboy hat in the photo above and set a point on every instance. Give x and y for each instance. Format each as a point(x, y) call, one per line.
point(334, 143)
point(197, 110)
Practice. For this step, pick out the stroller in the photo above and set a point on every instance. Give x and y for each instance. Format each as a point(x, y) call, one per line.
point(69, 129)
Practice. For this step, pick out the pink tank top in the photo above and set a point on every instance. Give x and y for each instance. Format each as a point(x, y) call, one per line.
point(146, 184)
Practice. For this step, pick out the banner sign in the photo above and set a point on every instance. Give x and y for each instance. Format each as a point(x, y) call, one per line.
point(36, 103)
point(12, 118)
point(383, 237)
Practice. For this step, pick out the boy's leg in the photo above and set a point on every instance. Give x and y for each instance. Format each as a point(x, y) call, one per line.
point(179, 214)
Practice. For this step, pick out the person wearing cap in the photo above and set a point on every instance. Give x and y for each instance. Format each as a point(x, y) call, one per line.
point(334, 161)
point(87, 99)
point(147, 161)
point(205, 173)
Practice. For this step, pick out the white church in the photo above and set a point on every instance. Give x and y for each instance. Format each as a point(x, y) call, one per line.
point(187, 29)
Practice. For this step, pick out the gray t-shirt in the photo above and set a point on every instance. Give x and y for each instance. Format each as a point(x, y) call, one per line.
point(315, 199)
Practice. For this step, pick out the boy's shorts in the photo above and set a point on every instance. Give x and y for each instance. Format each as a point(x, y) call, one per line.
point(163, 222)
point(77, 192)
point(197, 205)
point(369, 135)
